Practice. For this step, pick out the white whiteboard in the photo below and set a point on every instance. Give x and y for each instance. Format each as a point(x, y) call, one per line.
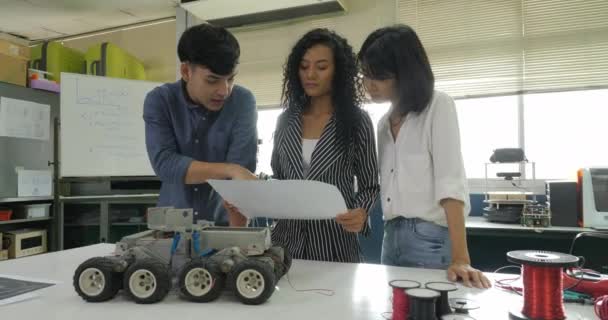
point(101, 127)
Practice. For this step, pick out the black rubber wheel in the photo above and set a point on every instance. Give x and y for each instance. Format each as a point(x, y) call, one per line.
point(286, 260)
point(147, 281)
point(201, 280)
point(95, 281)
point(282, 260)
point(252, 281)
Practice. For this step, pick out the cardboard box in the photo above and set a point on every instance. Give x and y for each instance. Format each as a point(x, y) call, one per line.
point(3, 255)
point(15, 50)
point(13, 70)
point(14, 59)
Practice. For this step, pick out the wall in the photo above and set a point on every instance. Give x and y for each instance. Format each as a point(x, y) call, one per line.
point(264, 48)
point(154, 45)
point(27, 153)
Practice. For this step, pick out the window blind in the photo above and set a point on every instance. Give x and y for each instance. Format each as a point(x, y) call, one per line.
point(486, 47)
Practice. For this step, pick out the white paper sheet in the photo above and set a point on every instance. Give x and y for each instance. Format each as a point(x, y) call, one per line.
point(34, 183)
point(24, 119)
point(282, 199)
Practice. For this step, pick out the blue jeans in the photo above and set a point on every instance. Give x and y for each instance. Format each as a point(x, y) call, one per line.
point(413, 242)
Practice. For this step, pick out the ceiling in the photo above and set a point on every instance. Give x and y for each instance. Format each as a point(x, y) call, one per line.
point(48, 19)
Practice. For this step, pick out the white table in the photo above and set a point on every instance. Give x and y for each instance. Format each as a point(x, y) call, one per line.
point(361, 292)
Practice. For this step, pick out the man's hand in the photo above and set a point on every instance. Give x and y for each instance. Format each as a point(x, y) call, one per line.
point(469, 275)
point(353, 220)
point(235, 217)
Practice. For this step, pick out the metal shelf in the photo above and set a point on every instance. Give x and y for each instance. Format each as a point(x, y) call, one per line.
point(25, 199)
point(25, 220)
point(81, 225)
point(123, 224)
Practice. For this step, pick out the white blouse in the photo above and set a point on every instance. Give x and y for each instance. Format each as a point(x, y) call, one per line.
point(424, 164)
point(308, 146)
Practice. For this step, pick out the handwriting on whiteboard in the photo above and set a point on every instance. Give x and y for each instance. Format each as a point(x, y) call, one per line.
point(116, 97)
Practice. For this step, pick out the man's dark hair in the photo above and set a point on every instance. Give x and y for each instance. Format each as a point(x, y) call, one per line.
point(209, 46)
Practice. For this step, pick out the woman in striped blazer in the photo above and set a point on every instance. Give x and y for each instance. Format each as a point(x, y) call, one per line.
point(324, 135)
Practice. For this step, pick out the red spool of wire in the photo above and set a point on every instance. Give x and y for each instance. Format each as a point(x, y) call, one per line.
point(401, 303)
point(543, 283)
point(601, 307)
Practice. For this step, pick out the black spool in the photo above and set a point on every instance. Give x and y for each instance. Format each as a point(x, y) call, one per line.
point(422, 304)
point(443, 305)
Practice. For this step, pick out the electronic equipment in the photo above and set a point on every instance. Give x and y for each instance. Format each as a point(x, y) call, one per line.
point(508, 155)
point(508, 175)
point(536, 215)
point(506, 206)
point(593, 196)
point(25, 242)
point(562, 202)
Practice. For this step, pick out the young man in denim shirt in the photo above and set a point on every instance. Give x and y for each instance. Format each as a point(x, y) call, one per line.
point(202, 126)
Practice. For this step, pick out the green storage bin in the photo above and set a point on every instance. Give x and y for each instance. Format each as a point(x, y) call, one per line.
point(55, 58)
point(107, 59)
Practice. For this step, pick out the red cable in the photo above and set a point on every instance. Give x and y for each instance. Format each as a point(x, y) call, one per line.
point(543, 293)
point(401, 304)
point(601, 307)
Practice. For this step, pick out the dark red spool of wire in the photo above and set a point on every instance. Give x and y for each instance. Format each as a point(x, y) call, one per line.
point(601, 307)
point(401, 303)
point(543, 283)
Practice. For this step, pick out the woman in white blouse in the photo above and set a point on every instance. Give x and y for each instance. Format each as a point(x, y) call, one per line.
point(422, 180)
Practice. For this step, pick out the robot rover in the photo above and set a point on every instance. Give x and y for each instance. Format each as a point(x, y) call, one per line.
point(204, 258)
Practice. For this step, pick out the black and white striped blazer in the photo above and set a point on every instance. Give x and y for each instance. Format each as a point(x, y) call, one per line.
point(332, 162)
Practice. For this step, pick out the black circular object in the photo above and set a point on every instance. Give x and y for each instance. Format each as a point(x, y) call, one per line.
point(542, 258)
point(441, 286)
point(443, 306)
point(422, 304)
point(422, 294)
point(461, 305)
point(404, 284)
point(456, 316)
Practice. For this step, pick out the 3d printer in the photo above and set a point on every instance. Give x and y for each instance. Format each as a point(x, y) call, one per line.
point(593, 197)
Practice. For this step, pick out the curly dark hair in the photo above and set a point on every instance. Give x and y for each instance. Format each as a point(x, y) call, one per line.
point(347, 89)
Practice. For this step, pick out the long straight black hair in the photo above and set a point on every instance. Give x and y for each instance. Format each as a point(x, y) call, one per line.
point(396, 52)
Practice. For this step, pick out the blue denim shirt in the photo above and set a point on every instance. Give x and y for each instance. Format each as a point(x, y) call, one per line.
point(179, 132)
